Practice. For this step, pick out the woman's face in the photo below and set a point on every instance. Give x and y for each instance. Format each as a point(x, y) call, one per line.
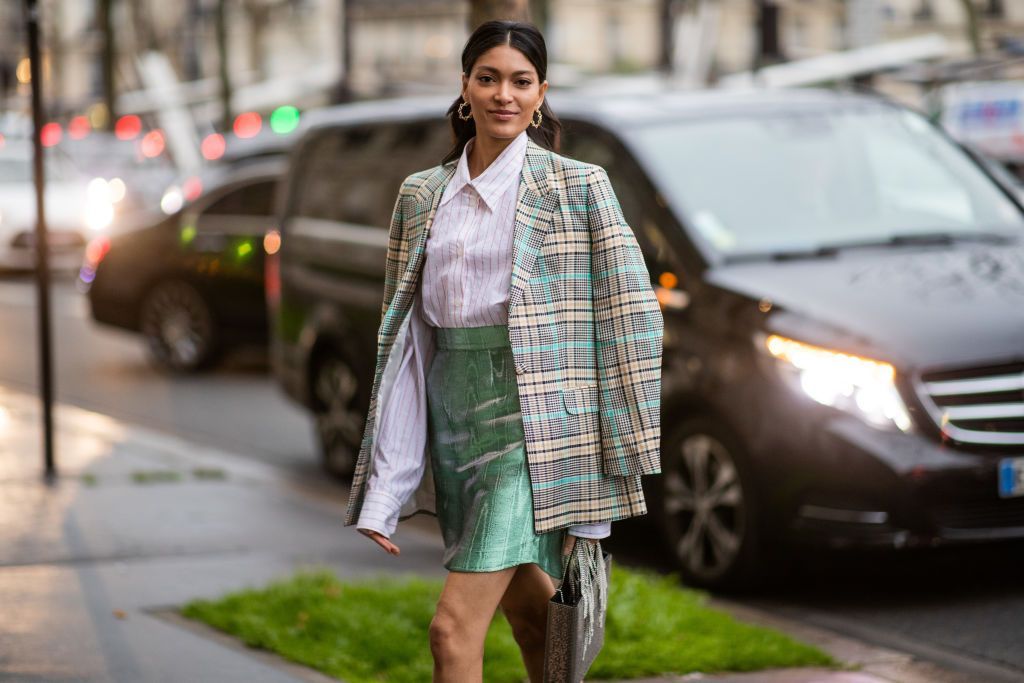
point(503, 92)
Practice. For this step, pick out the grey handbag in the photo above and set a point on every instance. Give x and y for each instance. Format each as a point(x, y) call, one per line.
point(576, 614)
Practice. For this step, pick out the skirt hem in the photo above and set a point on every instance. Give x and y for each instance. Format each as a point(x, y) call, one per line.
point(497, 569)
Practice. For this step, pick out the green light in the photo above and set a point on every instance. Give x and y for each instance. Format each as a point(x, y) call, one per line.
point(188, 233)
point(284, 119)
point(243, 249)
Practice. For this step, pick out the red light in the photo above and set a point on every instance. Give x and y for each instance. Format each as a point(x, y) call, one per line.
point(50, 134)
point(248, 125)
point(96, 250)
point(212, 146)
point(192, 188)
point(79, 128)
point(272, 280)
point(128, 127)
point(152, 144)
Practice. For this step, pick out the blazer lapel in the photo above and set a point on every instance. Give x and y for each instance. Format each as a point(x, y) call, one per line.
point(427, 199)
point(535, 206)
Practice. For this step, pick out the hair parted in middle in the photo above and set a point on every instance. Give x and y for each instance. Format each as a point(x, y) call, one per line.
point(526, 38)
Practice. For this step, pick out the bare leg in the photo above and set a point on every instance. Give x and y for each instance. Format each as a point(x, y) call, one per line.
point(525, 605)
point(457, 631)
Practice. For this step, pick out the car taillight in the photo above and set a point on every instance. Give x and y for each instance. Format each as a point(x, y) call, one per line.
point(95, 252)
point(272, 267)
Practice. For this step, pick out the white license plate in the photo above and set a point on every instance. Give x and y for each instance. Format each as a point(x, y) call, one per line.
point(1011, 477)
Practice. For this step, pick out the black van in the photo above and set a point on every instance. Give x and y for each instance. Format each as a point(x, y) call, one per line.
point(843, 290)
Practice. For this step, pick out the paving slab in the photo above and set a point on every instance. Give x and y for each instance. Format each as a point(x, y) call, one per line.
point(94, 564)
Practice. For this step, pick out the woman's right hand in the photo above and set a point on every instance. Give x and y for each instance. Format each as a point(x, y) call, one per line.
point(381, 540)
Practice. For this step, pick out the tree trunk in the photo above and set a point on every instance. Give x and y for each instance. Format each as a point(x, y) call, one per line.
point(259, 19)
point(103, 11)
point(769, 44)
point(343, 90)
point(192, 63)
point(142, 27)
point(540, 14)
point(220, 21)
point(486, 10)
point(973, 29)
point(666, 28)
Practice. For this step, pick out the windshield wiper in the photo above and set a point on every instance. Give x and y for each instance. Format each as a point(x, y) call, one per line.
point(927, 238)
point(910, 239)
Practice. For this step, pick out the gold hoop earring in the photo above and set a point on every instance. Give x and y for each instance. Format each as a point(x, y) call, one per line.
point(536, 122)
point(467, 116)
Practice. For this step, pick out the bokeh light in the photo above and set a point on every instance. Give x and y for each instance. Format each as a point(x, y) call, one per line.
point(213, 146)
point(284, 120)
point(128, 127)
point(79, 127)
point(248, 124)
point(51, 134)
point(152, 144)
point(192, 188)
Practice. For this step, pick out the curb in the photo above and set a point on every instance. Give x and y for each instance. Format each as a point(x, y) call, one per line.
point(881, 662)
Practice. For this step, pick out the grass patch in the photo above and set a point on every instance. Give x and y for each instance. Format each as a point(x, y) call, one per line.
point(208, 473)
point(155, 476)
point(376, 629)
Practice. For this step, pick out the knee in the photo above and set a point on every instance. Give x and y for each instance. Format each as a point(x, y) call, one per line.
point(444, 634)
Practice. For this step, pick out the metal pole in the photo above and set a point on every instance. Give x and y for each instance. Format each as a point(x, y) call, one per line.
point(42, 251)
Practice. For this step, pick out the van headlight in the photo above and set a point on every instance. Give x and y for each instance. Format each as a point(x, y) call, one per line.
point(861, 386)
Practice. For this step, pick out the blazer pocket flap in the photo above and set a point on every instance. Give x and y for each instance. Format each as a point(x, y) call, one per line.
point(580, 399)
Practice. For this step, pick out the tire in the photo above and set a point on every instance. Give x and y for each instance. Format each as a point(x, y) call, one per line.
point(179, 327)
point(339, 415)
point(706, 506)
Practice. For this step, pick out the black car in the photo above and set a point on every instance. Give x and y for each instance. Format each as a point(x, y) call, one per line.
point(843, 291)
point(191, 279)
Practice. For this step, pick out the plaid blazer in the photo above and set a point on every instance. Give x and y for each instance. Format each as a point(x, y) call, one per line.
point(586, 335)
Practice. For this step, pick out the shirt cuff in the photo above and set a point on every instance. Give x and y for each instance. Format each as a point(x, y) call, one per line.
point(600, 530)
point(379, 513)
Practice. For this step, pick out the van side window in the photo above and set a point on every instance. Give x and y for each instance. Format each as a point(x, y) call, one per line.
point(417, 147)
point(341, 178)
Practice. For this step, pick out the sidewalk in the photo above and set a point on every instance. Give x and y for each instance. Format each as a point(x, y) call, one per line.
point(91, 567)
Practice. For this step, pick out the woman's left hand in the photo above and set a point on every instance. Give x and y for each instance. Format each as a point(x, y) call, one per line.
point(570, 540)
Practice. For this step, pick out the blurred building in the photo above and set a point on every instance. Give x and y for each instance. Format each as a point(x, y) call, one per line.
point(290, 51)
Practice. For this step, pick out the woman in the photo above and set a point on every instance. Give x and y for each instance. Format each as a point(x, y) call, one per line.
point(518, 382)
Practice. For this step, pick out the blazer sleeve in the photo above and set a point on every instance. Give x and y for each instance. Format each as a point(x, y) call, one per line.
point(628, 335)
point(398, 250)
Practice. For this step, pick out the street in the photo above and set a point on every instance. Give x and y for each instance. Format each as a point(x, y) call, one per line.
point(106, 370)
point(962, 608)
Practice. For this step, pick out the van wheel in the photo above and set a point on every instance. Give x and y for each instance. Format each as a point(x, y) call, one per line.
point(179, 328)
point(339, 417)
point(706, 506)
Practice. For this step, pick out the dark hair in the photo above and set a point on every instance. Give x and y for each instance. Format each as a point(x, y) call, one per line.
point(527, 39)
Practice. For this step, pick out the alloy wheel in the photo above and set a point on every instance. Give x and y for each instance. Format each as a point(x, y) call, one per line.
point(178, 325)
point(704, 503)
point(340, 420)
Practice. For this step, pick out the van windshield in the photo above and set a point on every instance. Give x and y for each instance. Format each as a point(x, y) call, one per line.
point(780, 181)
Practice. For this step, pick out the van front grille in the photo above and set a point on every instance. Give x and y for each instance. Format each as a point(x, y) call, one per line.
point(981, 406)
point(982, 514)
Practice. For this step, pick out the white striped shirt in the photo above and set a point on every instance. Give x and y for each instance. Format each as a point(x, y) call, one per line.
point(465, 282)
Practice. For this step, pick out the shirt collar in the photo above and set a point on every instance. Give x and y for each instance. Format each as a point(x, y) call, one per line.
point(496, 178)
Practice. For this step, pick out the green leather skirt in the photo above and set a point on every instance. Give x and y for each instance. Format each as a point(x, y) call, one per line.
point(478, 456)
